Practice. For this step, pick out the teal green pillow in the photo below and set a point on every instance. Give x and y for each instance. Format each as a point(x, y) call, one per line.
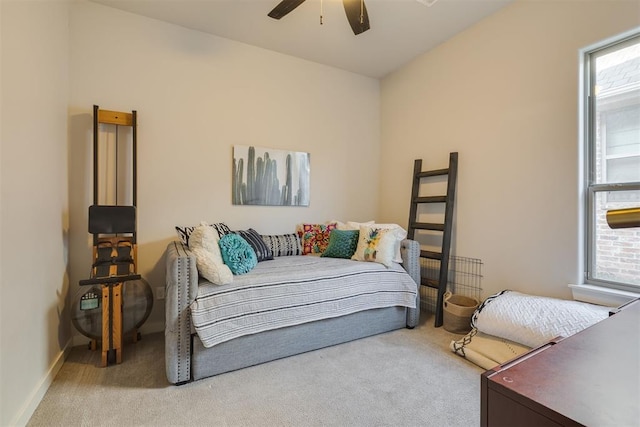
point(342, 244)
point(237, 254)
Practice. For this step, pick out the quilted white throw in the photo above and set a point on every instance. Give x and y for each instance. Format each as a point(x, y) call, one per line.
point(533, 320)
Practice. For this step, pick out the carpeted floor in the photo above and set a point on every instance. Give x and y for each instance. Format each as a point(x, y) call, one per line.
point(401, 378)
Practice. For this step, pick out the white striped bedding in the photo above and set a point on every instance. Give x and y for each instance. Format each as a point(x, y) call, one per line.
point(292, 290)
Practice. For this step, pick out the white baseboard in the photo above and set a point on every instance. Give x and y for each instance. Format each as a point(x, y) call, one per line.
point(29, 407)
point(147, 328)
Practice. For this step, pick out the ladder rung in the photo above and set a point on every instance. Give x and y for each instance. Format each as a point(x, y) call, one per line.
point(435, 172)
point(430, 199)
point(431, 255)
point(429, 283)
point(115, 118)
point(428, 226)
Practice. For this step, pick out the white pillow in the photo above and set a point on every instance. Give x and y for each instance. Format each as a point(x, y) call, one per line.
point(203, 242)
point(399, 233)
point(375, 245)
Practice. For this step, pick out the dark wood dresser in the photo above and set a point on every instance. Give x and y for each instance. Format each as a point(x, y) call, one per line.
point(591, 378)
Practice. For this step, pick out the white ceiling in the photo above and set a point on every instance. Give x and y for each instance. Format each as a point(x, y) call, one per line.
point(400, 29)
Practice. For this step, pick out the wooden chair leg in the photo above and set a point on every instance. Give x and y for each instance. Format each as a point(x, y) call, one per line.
point(117, 321)
point(106, 320)
point(111, 322)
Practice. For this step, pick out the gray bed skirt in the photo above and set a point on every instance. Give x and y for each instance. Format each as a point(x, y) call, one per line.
point(276, 344)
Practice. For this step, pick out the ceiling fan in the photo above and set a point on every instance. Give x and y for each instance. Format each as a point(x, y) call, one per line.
point(355, 9)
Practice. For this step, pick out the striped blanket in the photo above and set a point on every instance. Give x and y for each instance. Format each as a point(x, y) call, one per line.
point(292, 290)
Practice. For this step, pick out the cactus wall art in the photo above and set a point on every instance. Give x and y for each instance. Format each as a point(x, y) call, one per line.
point(264, 176)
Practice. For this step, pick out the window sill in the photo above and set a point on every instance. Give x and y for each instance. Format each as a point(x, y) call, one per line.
point(601, 295)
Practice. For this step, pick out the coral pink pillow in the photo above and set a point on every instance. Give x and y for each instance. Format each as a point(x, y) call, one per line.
point(315, 237)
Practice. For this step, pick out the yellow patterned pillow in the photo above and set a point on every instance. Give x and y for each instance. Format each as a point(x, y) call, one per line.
point(375, 245)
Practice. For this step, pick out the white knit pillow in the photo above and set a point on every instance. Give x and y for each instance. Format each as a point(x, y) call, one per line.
point(203, 242)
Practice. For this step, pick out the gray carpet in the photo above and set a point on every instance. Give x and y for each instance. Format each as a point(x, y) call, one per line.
point(401, 378)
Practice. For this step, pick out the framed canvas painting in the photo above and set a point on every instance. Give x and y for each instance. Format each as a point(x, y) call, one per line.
point(265, 176)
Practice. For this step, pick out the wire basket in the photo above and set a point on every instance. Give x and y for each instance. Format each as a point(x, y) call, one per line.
point(465, 277)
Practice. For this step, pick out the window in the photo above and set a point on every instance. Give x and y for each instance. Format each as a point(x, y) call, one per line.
point(611, 121)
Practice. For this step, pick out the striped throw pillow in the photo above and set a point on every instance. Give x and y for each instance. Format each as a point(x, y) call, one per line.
point(262, 250)
point(283, 244)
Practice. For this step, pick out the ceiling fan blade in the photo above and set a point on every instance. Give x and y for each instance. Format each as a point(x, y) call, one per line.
point(357, 15)
point(284, 7)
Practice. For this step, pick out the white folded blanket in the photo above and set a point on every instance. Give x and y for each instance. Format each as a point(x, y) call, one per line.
point(532, 320)
point(485, 350)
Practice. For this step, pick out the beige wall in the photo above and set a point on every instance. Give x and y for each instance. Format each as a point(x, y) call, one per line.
point(196, 96)
point(2, 408)
point(34, 312)
point(504, 95)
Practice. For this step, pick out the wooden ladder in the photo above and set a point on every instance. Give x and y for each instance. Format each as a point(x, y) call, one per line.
point(446, 227)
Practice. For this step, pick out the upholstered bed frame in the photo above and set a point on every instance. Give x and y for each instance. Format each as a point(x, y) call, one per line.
point(187, 359)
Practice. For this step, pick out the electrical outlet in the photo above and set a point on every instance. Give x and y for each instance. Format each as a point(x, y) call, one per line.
point(160, 292)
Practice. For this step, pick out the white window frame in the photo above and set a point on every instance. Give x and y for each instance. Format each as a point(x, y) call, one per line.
point(589, 188)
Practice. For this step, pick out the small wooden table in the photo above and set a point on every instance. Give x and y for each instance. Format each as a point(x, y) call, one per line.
point(591, 378)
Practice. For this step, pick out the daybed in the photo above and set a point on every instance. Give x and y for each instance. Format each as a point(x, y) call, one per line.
point(235, 342)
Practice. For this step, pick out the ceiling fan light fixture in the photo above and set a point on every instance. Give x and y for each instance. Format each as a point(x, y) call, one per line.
point(356, 13)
